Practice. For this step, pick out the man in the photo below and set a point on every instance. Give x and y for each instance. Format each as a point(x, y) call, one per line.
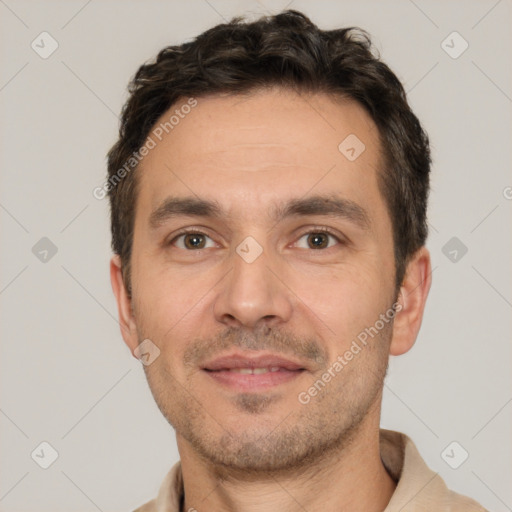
point(268, 194)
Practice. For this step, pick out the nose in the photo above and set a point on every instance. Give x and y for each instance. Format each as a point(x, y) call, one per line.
point(254, 293)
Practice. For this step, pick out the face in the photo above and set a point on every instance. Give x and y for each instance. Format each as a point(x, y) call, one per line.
point(287, 260)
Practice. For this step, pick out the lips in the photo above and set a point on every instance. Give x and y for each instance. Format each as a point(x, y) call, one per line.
point(252, 371)
point(238, 362)
point(241, 372)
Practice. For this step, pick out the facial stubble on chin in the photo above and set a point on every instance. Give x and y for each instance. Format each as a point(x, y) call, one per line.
point(277, 442)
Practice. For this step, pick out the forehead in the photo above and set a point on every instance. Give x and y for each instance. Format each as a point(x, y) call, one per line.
point(267, 144)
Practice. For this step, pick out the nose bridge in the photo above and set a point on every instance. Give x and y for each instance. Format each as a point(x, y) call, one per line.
point(252, 292)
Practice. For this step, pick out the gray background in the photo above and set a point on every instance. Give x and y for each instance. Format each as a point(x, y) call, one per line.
point(66, 376)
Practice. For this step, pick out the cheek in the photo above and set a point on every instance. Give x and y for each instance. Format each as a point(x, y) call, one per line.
point(172, 310)
point(166, 294)
point(346, 294)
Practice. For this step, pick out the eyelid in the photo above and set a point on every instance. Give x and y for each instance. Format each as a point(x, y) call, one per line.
point(309, 230)
point(186, 231)
point(323, 229)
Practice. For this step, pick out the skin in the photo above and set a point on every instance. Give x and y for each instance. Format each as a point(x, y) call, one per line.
point(264, 450)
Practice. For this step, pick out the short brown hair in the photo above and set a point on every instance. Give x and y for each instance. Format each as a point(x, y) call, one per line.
point(285, 50)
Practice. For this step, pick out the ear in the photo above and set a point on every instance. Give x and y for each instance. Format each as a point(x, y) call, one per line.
point(124, 306)
point(412, 298)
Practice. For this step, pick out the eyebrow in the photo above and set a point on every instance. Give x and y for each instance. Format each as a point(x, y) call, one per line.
point(324, 205)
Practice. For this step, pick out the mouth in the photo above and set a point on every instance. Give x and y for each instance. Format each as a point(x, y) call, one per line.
point(241, 372)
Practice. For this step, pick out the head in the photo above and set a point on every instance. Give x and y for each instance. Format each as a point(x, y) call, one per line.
point(291, 156)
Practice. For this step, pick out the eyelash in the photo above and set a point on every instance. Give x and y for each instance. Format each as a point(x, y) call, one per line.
point(191, 231)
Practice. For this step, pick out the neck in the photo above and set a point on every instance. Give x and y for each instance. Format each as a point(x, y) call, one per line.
point(352, 478)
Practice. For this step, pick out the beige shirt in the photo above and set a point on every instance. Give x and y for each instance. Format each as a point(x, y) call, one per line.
point(418, 488)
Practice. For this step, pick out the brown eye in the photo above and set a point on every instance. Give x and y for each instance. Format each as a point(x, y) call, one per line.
point(191, 241)
point(318, 240)
point(194, 241)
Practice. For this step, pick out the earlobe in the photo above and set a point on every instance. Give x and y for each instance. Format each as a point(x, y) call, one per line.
point(124, 306)
point(412, 298)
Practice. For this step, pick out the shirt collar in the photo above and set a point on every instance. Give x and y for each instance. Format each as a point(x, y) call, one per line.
point(418, 487)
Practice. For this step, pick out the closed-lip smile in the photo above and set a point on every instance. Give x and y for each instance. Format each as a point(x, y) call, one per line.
point(243, 371)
